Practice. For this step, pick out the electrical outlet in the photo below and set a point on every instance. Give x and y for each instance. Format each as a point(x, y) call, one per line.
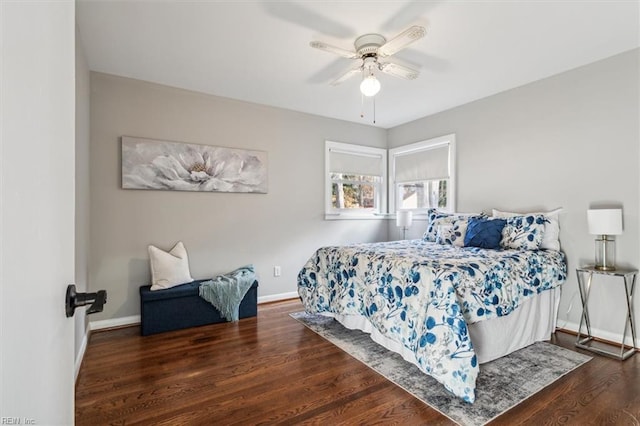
point(277, 271)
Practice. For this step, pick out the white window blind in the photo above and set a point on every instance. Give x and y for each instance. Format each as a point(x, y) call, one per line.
point(423, 165)
point(423, 174)
point(355, 163)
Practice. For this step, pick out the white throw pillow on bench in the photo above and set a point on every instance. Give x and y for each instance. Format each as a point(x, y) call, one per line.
point(169, 269)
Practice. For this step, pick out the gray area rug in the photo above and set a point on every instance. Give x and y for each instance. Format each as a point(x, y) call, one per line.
point(501, 384)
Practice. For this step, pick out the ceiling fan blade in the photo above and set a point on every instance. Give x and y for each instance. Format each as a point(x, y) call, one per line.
point(399, 70)
point(333, 49)
point(401, 41)
point(407, 14)
point(347, 75)
point(304, 16)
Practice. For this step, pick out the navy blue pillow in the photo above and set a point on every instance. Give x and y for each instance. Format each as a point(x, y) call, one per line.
point(484, 233)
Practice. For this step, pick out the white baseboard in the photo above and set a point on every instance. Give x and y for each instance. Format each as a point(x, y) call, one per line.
point(600, 334)
point(81, 351)
point(114, 322)
point(277, 297)
point(135, 319)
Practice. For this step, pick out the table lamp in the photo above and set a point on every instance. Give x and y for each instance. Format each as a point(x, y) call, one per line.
point(404, 219)
point(603, 223)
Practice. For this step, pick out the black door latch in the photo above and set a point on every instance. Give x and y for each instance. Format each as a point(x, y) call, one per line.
point(74, 300)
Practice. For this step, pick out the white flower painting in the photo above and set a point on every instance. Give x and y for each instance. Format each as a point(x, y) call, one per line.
point(154, 164)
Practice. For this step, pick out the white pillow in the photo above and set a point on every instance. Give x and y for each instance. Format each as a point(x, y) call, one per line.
point(169, 269)
point(551, 235)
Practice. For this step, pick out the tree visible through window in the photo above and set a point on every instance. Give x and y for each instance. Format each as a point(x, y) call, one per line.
point(353, 191)
point(423, 195)
point(421, 176)
point(355, 180)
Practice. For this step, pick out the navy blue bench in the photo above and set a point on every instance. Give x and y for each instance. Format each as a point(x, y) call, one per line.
point(181, 307)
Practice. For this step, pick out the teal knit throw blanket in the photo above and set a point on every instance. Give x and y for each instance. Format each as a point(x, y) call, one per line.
point(225, 292)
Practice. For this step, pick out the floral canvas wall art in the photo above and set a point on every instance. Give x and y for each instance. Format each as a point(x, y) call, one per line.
point(155, 164)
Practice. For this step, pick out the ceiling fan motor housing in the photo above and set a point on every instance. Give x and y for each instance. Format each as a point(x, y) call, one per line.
point(368, 44)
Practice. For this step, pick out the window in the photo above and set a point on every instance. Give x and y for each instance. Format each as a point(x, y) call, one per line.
point(355, 186)
point(422, 175)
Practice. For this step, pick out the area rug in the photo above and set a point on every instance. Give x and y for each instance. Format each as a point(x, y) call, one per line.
point(501, 384)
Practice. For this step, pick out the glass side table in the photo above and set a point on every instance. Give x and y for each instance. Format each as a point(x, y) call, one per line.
point(584, 340)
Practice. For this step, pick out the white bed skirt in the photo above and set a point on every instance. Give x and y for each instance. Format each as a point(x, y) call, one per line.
point(533, 321)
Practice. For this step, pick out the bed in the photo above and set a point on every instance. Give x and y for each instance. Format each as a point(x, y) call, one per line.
point(443, 306)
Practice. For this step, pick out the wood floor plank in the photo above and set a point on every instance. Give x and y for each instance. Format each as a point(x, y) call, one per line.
point(273, 370)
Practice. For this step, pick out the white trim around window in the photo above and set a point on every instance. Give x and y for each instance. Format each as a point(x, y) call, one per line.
point(407, 166)
point(342, 159)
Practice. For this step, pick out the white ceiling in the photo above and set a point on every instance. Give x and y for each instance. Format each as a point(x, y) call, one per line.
point(258, 51)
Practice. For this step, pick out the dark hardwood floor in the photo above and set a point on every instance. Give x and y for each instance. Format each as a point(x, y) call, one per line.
point(273, 370)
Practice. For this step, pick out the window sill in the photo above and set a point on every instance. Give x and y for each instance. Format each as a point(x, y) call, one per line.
point(356, 216)
point(371, 216)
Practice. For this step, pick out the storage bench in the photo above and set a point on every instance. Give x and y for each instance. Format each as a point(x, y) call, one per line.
point(181, 307)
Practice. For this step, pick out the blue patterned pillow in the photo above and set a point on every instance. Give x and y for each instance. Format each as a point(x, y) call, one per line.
point(523, 232)
point(484, 233)
point(452, 234)
point(438, 218)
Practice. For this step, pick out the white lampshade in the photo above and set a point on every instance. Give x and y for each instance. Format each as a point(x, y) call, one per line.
point(605, 221)
point(370, 85)
point(404, 218)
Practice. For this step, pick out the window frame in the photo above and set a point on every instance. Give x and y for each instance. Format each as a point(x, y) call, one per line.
point(380, 188)
point(446, 140)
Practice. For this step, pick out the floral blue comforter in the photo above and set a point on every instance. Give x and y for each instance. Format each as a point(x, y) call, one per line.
point(422, 295)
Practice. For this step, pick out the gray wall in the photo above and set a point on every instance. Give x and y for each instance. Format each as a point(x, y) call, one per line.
point(221, 231)
point(82, 190)
point(570, 141)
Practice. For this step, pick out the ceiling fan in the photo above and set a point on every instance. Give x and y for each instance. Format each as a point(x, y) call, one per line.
point(371, 51)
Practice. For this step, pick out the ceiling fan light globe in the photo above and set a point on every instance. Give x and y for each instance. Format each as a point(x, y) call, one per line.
point(370, 86)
